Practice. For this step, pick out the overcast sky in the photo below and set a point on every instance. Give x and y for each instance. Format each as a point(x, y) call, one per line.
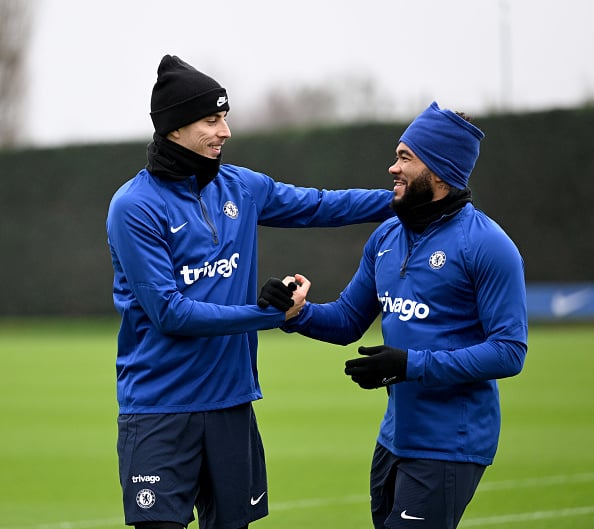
point(92, 64)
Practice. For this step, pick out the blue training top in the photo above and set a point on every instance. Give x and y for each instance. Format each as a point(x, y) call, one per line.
point(455, 298)
point(185, 281)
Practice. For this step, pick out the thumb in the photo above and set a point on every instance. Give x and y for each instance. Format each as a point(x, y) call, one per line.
point(370, 351)
point(263, 303)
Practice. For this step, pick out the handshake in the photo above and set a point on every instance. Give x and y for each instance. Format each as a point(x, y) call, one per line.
point(379, 366)
point(288, 295)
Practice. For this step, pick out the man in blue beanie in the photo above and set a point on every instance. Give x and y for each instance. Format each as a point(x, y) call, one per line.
point(449, 286)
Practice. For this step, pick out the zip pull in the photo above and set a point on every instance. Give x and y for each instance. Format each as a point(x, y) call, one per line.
point(213, 229)
point(404, 264)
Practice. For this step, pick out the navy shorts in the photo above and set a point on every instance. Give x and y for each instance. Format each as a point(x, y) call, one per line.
point(212, 461)
point(431, 493)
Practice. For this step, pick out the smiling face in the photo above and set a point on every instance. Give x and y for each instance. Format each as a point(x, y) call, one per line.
point(205, 136)
point(414, 183)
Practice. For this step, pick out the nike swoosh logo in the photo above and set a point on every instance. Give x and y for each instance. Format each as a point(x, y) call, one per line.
point(175, 230)
point(257, 500)
point(405, 516)
point(386, 380)
point(379, 254)
point(564, 304)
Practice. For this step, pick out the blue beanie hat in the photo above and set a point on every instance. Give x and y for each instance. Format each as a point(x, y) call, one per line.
point(446, 143)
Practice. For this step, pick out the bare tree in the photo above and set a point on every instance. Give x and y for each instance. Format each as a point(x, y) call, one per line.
point(14, 37)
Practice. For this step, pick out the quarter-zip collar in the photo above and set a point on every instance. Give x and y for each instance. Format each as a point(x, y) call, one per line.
point(435, 216)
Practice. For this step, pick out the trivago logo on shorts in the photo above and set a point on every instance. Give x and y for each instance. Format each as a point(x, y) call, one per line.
point(406, 308)
point(223, 267)
point(145, 479)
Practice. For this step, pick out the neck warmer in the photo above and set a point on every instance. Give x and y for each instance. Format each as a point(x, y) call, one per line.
point(418, 217)
point(171, 161)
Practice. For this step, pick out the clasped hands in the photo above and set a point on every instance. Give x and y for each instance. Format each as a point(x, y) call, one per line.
point(381, 365)
point(288, 295)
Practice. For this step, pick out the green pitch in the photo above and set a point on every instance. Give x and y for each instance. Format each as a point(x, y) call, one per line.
point(58, 468)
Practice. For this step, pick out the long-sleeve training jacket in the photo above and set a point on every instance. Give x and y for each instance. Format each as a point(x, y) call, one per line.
point(185, 281)
point(454, 297)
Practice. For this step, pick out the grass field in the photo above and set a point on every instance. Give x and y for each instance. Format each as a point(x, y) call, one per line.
point(58, 467)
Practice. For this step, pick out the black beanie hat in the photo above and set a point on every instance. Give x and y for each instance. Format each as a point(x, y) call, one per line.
point(183, 95)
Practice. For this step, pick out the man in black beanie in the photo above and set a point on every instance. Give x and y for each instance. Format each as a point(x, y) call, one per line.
point(183, 95)
point(182, 235)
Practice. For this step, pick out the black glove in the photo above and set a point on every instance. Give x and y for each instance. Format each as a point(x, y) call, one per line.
point(276, 293)
point(382, 366)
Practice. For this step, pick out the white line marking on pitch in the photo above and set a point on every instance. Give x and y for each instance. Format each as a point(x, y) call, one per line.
point(536, 482)
point(361, 498)
point(81, 524)
point(527, 516)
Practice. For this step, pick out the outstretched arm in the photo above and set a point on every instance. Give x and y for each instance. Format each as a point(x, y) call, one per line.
point(345, 320)
point(288, 206)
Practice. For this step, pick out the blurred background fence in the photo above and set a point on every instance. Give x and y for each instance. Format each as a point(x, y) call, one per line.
point(535, 177)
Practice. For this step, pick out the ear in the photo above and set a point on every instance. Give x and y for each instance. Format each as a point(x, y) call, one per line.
point(436, 179)
point(441, 187)
point(174, 135)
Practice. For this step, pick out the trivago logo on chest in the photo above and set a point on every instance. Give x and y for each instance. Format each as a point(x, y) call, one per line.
point(406, 308)
point(223, 267)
